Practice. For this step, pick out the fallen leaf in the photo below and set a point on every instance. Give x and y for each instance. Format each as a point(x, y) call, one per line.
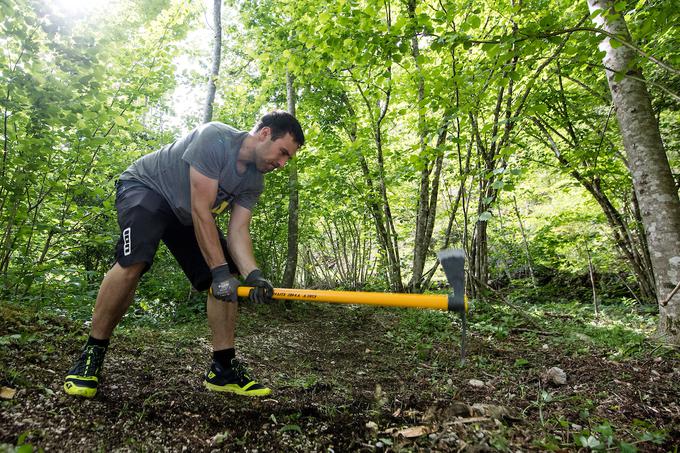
point(7, 393)
point(414, 431)
point(471, 420)
point(489, 410)
point(397, 413)
point(447, 410)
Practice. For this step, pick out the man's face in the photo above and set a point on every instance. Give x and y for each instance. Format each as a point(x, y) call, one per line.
point(270, 155)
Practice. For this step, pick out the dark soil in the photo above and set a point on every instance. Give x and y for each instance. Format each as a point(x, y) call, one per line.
point(344, 379)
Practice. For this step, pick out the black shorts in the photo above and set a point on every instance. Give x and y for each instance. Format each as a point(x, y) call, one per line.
point(145, 218)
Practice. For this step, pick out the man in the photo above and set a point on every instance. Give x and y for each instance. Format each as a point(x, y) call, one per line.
point(173, 195)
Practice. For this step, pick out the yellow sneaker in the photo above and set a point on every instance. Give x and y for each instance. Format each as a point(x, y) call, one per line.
point(83, 377)
point(234, 379)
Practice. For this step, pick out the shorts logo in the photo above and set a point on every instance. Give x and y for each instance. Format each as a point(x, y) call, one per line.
point(127, 241)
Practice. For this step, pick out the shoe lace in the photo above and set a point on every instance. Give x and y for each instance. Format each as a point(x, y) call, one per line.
point(240, 369)
point(90, 361)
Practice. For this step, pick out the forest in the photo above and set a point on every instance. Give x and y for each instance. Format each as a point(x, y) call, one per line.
point(540, 137)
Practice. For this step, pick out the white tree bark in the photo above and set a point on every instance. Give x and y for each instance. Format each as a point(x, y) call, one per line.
point(647, 163)
point(293, 200)
point(216, 57)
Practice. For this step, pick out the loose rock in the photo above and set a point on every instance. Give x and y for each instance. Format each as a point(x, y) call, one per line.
point(476, 383)
point(556, 376)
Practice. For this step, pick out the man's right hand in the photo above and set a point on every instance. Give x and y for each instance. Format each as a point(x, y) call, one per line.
point(224, 285)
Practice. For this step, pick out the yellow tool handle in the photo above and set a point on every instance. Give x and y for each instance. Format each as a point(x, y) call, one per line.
point(431, 301)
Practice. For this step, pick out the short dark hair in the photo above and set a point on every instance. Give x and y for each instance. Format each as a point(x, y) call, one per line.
point(282, 123)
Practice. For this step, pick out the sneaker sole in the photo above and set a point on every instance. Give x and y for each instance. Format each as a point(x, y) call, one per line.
point(86, 392)
point(233, 388)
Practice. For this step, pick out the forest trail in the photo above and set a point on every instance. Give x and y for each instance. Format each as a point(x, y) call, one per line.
point(343, 379)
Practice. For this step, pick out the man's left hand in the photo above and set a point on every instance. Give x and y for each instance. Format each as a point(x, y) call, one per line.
point(262, 291)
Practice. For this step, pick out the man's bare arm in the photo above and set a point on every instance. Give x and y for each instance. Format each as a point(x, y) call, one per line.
point(203, 194)
point(238, 239)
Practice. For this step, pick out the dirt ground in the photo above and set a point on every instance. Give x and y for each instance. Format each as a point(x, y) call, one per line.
point(343, 379)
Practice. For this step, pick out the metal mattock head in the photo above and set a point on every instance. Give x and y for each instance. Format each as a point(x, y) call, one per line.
point(453, 263)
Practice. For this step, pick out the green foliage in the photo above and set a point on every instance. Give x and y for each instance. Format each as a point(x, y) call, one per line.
point(73, 106)
point(604, 437)
point(22, 446)
point(530, 136)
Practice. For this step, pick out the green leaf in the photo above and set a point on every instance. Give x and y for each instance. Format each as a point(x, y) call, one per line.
point(540, 109)
point(546, 396)
point(491, 49)
point(590, 442)
point(521, 362)
point(291, 428)
point(8, 339)
point(605, 430)
point(485, 216)
point(625, 447)
point(474, 21)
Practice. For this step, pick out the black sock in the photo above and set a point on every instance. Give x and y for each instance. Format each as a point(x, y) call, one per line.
point(91, 341)
point(224, 356)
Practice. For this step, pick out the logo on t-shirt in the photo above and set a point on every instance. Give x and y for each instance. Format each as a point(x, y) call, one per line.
point(221, 202)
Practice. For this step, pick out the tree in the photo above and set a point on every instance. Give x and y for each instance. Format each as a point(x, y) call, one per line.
point(293, 200)
point(647, 160)
point(216, 57)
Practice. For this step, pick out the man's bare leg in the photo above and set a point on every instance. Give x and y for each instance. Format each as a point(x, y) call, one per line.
point(115, 296)
point(222, 375)
point(222, 321)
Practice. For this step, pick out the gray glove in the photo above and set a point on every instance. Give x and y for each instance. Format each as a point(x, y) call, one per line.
point(224, 286)
point(262, 291)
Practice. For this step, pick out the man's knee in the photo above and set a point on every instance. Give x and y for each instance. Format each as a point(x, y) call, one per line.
point(132, 272)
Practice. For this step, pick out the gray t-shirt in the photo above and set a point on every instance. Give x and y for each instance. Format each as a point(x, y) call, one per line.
point(212, 149)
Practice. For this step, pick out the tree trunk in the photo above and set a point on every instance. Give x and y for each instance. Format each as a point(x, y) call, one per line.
point(217, 55)
point(420, 243)
point(381, 228)
point(591, 271)
point(394, 262)
point(647, 162)
point(293, 201)
point(379, 202)
point(524, 242)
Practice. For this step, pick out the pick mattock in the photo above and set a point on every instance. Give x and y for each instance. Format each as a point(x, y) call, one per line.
point(453, 263)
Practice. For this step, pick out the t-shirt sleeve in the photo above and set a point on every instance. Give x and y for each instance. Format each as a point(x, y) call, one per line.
point(206, 152)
